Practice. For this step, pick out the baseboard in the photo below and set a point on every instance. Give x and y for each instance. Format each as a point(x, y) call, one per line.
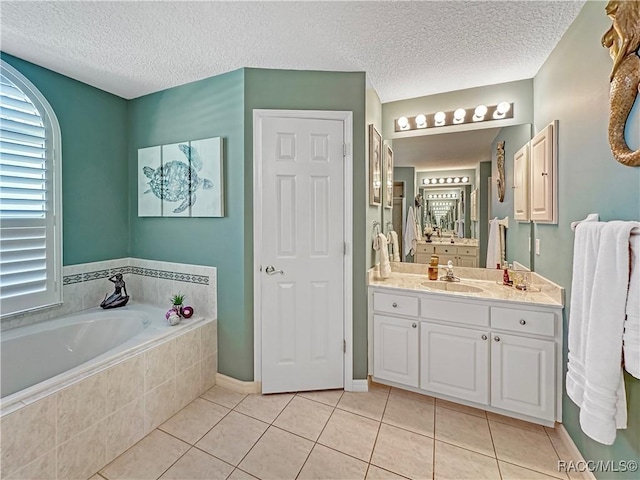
point(360, 385)
point(575, 453)
point(238, 386)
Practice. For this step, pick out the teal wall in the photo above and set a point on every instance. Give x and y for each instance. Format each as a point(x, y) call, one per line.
point(573, 88)
point(514, 137)
point(308, 90)
point(93, 125)
point(212, 107)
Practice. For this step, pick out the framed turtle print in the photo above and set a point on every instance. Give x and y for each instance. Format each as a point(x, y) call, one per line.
point(181, 180)
point(375, 166)
point(388, 166)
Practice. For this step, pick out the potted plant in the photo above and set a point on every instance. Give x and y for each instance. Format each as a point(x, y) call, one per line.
point(178, 301)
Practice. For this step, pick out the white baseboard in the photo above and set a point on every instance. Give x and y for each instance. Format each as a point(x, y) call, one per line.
point(360, 386)
point(575, 453)
point(238, 386)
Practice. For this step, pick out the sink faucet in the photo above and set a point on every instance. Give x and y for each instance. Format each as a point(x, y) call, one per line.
point(450, 277)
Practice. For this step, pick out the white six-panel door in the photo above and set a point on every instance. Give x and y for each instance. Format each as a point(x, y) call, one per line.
point(302, 251)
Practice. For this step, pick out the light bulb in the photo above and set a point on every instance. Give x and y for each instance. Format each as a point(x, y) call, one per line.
point(480, 112)
point(441, 180)
point(425, 181)
point(439, 118)
point(434, 180)
point(456, 180)
point(503, 107)
point(403, 122)
point(449, 180)
point(465, 179)
point(421, 121)
point(458, 115)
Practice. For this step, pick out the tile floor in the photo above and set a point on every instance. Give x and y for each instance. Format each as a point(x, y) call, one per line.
point(385, 433)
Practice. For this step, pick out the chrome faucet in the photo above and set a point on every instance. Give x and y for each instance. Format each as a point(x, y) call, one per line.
point(450, 277)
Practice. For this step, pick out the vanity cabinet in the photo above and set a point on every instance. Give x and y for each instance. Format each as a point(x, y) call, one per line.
point(497, 355)
point(460, 255)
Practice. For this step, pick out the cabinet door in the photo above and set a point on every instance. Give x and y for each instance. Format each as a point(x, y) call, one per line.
point(522, 375)
point(444, 259)
point(521, 184)
point(395, 350)
point(543, 194)
point(474, 205)
point(465, 261)
point(455, 361)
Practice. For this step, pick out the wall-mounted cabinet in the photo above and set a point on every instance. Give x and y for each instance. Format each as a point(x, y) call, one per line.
point(535, 178)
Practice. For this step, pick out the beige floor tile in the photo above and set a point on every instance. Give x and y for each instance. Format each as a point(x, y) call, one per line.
point(195, 420)
point(409, 394)
point(147, 459)
point(566, 452)
point(350, 434)
point(240, 475)
point(460, 408)
point(197, 465)
point(368, 404)
point(525, 448)
point(375, 386)
point(410, 414)
point(464, 430)
point(232, 437)
point(223, 397)
point(403, 452)
point(454, 463)
point(277, 455)
point(96, 477)
point(377, 473)
point(328, 397)
point(514, 472)
point(264, 407)
point(304, 417)
point(514, 422)
point(327, 464)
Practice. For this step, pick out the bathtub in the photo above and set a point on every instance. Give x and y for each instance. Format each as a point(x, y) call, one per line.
point(53, 353)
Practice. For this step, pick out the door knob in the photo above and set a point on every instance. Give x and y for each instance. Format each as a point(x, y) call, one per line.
point(270, 270)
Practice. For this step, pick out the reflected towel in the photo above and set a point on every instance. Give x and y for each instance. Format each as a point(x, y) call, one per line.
point(395, 247)
point(631, 337)
point(493, 244)
point(411, 233)
point(598, 301)
point(385, 266)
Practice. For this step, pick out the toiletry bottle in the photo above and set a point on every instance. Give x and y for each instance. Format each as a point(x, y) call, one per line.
point(433, 268)
point(505, 277)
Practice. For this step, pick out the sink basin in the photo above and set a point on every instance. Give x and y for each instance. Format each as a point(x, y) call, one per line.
point(452, 287)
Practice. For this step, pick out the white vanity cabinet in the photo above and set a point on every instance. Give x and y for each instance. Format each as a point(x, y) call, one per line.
point(493, 354)
point(460, 255)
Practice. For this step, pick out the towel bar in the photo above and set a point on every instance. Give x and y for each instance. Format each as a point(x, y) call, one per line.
point(594, 217)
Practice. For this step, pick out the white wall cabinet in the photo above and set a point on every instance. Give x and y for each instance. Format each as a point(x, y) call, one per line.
point(496, 355)
point(521, 184)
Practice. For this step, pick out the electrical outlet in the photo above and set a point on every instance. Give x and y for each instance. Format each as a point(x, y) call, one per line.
point(537, 246)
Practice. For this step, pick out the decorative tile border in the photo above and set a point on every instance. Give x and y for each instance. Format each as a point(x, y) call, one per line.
point(145, 272)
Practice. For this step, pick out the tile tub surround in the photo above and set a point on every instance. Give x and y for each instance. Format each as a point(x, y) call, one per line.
point(147, 281)
point(73, 432)
point(414, 277)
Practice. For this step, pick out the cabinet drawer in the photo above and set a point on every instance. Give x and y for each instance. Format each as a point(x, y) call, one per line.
point(452, 311)
point(422, 248)
point(467, 251)
point(397, 304)
point(446, 250)
point(523, 321)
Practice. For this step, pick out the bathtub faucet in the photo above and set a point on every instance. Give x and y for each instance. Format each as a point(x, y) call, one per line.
point(116, 299)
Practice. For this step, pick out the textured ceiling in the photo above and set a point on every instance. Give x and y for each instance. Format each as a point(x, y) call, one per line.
point(408, 49)
point(447, 151)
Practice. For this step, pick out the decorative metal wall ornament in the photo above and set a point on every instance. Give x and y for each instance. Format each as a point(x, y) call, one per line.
point(500, 180)
point(623, 42)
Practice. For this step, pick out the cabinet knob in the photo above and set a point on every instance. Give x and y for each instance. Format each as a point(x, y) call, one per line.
point(484, 337)
point(522, 321)
point(544, 174)
point(496, 338)
point(414, 325)
point(394, 305)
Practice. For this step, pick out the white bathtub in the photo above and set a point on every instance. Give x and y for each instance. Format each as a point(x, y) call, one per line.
point(40, 357)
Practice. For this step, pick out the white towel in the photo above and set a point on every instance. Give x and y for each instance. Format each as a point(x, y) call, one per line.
point(395, 247)
point(460, 228)
point(631, 337)
point(385, 266)
point(493, 244)
point(598, 300)
point(411, 233)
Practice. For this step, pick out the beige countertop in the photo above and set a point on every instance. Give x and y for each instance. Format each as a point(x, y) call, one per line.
point(413, 278)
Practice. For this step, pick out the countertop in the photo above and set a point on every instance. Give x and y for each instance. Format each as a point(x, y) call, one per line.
point(414, 280)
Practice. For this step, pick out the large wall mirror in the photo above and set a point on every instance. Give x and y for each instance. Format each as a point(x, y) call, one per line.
point(455, 175)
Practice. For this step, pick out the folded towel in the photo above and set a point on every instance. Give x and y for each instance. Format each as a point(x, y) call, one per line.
point(631, 337)
point(385, 266)
point(598, 300)
point(395, 247)
point(411, 234)
point(493, 244)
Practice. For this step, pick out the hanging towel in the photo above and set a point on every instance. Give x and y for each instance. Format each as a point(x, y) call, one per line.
point(631, 337)
point(410, 233)
point(376, 242)
point(493, 244)
point(460, 228)
point(395, 247)
point(385, 266)
point(598, 301)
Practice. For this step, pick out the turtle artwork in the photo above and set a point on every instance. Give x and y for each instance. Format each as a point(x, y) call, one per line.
point(177, 180)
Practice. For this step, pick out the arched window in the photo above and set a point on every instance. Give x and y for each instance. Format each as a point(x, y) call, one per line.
point(30, 197)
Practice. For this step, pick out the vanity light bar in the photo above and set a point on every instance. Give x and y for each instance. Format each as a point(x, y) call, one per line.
point(445, 181)
point(481, 113)
point(442, 195)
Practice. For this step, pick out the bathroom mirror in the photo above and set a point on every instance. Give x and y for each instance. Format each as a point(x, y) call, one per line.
point(469, 155)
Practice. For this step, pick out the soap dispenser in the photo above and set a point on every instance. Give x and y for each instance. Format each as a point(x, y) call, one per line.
point(433, 267)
